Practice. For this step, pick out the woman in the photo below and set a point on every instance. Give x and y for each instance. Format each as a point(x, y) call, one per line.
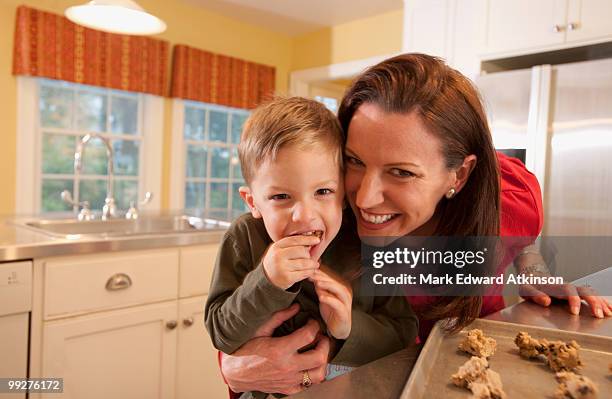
point(419, 161)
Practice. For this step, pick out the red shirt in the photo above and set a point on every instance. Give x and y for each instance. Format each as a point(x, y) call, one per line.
point(521, 218)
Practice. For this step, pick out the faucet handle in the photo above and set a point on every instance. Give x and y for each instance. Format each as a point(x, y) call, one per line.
point(85, 213)
point(148, 198)
point(132, 213)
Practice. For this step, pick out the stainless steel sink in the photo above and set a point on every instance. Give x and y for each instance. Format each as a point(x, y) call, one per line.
point(75, 229)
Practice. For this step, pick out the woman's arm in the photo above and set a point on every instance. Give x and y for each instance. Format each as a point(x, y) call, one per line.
point(269, 364)
point(530, 262)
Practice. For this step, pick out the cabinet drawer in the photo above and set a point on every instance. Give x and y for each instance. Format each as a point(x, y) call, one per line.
point(197, 264)
point(90, 283)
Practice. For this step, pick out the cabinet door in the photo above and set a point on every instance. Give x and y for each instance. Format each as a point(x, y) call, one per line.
point(589, 19)
point(517, 25)
point(196, 269)
point(127, 353)
point(197, 368)
point(426, 27)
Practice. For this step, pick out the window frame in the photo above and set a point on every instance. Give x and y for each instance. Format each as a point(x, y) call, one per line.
point(29, 149)
point(179, 155)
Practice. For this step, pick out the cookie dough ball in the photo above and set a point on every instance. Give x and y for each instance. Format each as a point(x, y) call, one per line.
point(470, 371)
point(489, 387)
point(477, 344)
point(529, 347)
point(574, 386)
point(476, 376)
point(562, 356)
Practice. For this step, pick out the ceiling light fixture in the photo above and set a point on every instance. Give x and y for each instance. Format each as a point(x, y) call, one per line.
point(116, 16)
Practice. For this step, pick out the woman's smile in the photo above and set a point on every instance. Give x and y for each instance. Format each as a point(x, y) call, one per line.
point(376, 220)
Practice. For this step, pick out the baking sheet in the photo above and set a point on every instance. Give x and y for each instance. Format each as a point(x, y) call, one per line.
point(440, 358)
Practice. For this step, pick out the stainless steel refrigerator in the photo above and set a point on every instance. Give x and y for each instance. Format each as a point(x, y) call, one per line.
point(561, 117)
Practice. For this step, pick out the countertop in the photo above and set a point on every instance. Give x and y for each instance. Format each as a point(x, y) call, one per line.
point(18, 242)
point(385, 378)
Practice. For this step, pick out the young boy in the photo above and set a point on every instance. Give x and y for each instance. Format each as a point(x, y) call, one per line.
point(284, 251)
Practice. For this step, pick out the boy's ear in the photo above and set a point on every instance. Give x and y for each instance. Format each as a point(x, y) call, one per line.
point(247, 197)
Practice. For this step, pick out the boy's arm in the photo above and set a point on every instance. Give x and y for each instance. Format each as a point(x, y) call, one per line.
point(241, 298)
point(391, 326)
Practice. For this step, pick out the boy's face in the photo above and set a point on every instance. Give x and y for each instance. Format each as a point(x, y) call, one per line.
point(301, 192)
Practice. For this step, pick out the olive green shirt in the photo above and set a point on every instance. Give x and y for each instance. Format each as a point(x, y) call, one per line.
point(241, 298)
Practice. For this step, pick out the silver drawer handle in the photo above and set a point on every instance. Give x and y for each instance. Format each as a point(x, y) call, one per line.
point(119, 281)
point(558, 28)
point(188, 321)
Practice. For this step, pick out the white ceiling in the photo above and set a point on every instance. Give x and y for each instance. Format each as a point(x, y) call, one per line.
point(295, 17)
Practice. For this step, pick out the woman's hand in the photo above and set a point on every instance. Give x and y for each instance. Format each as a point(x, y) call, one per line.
point(541, 294)
point(530, 261)
point(269, 364)
point(335, 302)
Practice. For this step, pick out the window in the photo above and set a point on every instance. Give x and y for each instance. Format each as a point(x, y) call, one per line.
point(329, 102)
point(210, 175)
point(63, 113)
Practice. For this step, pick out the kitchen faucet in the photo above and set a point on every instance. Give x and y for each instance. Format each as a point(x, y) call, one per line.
point(109, 210)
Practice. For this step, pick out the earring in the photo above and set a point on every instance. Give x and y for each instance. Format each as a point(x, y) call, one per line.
point(450, 194)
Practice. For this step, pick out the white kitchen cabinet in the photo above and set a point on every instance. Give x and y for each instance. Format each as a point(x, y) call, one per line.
point(589, 20)
point(127, 353)
point(524, 26)
point(83, 284)
point(197, 368)
point(196, 268)
point(451, 29)
point(426, 26)
point(142, 339)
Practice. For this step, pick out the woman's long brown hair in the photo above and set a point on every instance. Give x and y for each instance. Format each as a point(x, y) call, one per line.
point(451, 108)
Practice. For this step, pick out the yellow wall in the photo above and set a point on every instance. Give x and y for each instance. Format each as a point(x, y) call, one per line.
point(363, 38)
point(187, 24)
point(195, 26)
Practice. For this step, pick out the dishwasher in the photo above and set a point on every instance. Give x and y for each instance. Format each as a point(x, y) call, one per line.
point(15, 307)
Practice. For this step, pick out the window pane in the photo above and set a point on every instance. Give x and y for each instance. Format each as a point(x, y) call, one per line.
point(237, 123)
point(237, 202)
point(94, 158)
point(194, 195)
point(220, 162)
point(126, 191)
point(217, 130)
point(196, 161)
point(194, 123)
point(58, 153)
point(93, 191)
point(126, 154)
point(235, 162)
point(218, 195)
point(124, 115)
point(55, 107)
point(51, 200)
point(91, 111)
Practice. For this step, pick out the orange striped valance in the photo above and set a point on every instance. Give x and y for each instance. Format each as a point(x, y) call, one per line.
point(213, 78)
point(49, 45)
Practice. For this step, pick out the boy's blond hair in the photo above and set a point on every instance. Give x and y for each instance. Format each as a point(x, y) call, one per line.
point(287, 121)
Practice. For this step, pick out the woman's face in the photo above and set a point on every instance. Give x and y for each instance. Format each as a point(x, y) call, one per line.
point(395, 173)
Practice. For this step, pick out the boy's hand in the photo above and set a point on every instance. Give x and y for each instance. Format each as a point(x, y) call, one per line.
point(335, 302)
point(287, 261)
